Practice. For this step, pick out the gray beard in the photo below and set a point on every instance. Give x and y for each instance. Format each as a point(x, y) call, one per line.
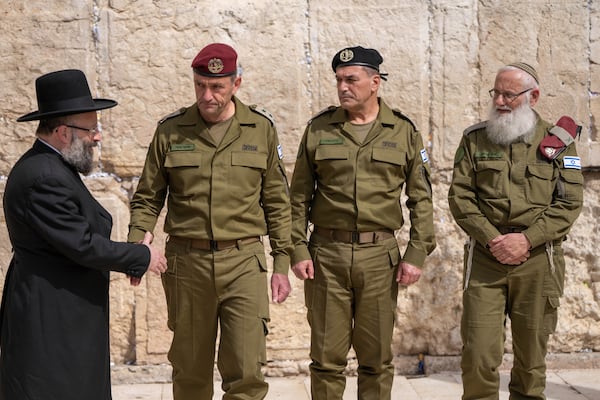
point(80, 155)
point(516, 126)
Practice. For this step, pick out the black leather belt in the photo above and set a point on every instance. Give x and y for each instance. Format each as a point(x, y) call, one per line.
point(510, 229)
point(353, 236)
point(214, 245)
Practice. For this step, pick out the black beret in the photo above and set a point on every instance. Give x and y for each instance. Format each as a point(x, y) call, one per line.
point(357, 56)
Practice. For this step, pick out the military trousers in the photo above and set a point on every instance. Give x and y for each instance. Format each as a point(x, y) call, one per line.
point(529, 295)
point(209, 291)
point(352, 302)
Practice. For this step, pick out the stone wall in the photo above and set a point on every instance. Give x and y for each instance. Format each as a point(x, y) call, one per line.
point(441, 56)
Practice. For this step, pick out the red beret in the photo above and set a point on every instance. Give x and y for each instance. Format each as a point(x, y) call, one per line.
point(216, 59)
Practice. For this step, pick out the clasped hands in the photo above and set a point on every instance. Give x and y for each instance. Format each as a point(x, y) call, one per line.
point(510, 249)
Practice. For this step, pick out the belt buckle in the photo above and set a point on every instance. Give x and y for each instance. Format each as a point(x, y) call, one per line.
point(214, 245)
point(355, 237)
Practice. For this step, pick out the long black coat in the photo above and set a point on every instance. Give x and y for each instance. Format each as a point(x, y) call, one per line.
point(54, 323)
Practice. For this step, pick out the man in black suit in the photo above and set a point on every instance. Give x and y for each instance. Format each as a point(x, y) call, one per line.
point(54, 318)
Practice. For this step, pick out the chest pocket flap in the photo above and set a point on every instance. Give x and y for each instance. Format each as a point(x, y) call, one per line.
point(389, 156)
point(330, 152)
point(252, 160)
point(541, 171)
point(489, 165)
point(176, 159)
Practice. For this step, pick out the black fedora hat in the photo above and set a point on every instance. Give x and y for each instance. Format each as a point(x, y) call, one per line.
point(64, 92)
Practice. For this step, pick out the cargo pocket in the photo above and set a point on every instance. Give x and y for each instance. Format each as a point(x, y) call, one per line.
point(262, 296)
point(554, 278)
point(309, 284)
point(169, 282)
point(469, 248)
point(262, 354)
point(394, 257)
point(551, 315)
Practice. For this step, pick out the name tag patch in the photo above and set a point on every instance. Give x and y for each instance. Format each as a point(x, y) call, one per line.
point(332, 141)
point(572, 162)
point(181, 147)
point(280, 151)
point(424, 156)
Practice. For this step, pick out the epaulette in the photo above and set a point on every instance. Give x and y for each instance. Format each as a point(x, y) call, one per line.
point(404, 117)
point(323, 111)
point(173, 114)
point(473, 128)
point(263, 112)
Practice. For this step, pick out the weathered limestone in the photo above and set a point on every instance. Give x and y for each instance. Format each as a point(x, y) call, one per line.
point(441, 57)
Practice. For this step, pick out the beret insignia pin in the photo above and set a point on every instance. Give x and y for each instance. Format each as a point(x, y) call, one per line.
point(346, 55)
point(215, 65)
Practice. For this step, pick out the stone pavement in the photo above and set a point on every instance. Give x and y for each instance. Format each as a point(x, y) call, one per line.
point(571, 384)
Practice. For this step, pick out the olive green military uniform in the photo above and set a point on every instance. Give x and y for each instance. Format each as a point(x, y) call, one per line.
point(350, 190)
point(221, 199)
point(497, 190)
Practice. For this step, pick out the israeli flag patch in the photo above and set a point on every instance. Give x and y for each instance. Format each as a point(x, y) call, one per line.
point(424, 156)
point(280, 151)
point(572, 162)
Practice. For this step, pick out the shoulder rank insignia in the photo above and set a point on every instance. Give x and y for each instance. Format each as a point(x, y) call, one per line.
point(182, 110)
point(322, 112)
point(400, 114)
point(473, 128)
point(263, 112)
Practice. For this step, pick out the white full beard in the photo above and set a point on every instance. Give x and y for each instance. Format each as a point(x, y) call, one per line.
point(516, 126)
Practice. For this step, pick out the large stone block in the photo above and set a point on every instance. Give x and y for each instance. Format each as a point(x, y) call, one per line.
point(441, 56)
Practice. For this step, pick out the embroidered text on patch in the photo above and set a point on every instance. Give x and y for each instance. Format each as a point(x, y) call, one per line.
point(280, 151)
point(182, 147)
point(488, 154)
point(332, 141)
point(424, 156)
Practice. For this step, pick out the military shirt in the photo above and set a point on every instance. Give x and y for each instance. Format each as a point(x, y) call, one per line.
point(232, 190)
point(341, 183)
point(496, 186)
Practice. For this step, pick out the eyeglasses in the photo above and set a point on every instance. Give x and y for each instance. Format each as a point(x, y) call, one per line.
point(509, 97)
point(92, 132)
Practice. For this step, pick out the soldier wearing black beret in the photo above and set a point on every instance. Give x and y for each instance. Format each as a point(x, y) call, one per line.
point(353, 162)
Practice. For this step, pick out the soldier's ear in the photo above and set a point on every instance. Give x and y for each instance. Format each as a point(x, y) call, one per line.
point(534, 97)
point(375, 82)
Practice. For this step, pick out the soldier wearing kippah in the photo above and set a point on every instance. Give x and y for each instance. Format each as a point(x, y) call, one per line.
point(218, 164)
point(353, 163)
point(516, 190)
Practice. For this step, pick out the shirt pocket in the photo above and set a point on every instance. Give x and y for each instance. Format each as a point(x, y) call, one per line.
point(246, 172)
point(571, 184)
point(333, 164)
point(183, 168)
point(388, 168)
point(540, 184)
point(491, 179)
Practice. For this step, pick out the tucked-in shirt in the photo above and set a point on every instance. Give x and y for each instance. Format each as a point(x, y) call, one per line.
point(496, 186)
point(218, 191)
point(341, 182)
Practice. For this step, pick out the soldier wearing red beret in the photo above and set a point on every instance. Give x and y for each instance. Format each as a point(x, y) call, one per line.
point(218, 165)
